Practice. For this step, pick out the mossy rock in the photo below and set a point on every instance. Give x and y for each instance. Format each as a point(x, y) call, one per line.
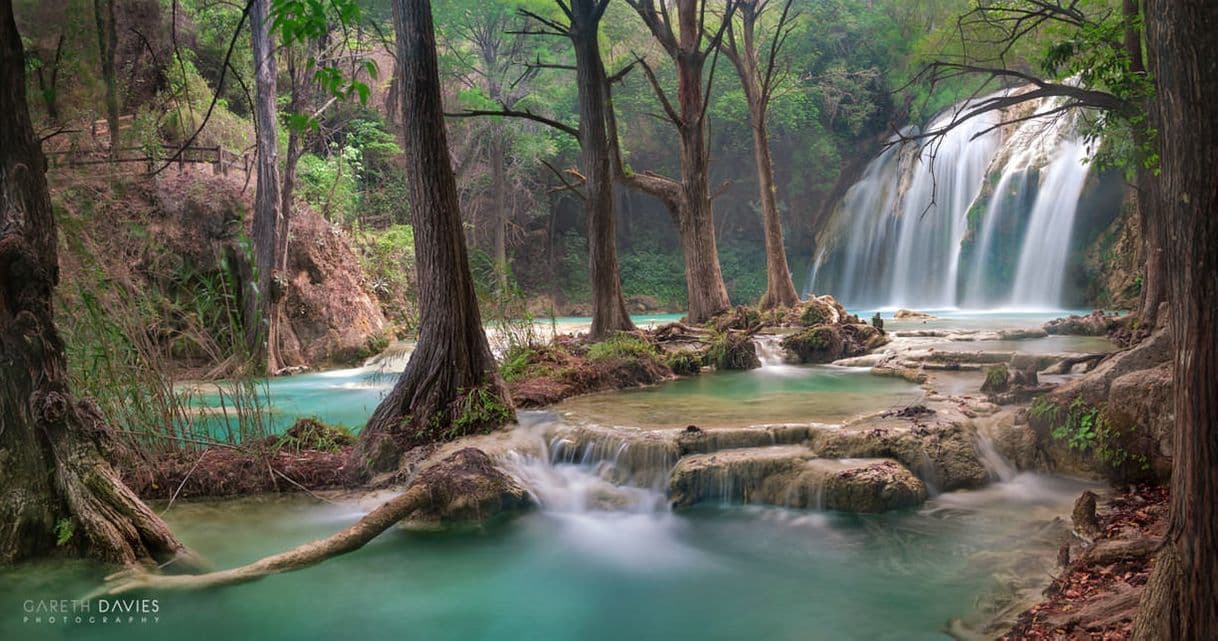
point(819, 344)
point(997, 379)
point(732, 351)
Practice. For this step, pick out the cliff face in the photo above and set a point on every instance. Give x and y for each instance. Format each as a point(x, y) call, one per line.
point(1113, 262)
point(164, 257)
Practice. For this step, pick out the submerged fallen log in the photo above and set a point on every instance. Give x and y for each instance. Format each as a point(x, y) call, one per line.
point(463, 487)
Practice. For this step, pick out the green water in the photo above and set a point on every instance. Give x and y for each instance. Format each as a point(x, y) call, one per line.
point(774, 394)
point(574, 571)
point(715, 573)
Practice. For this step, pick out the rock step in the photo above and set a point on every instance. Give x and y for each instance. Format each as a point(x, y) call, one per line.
point(793, 476)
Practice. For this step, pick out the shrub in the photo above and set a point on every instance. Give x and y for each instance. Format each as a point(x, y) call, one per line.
point(621, 347)
point(684, 363)
point(732, 351)
point(312, 434)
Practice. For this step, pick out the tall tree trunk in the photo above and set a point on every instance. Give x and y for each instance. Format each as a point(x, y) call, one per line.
point(743, 52)
point(780, 289)
point(55, 477)
point(262, 335)
point(287, 343)
point(107, 44)
point(1181, 598)
point(500, 208)
point(704, 280)
point(1154, 280)
point(690, 203)
point(609, 314)
point(451, 386)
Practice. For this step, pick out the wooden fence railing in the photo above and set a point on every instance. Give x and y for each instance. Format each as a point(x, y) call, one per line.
point(221, 159)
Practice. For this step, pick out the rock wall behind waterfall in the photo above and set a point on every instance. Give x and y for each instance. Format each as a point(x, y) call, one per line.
point(988, 215)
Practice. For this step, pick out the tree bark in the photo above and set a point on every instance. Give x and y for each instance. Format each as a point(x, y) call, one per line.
point(780, 288)
point(262, 336)
point(609, 314)
point(691, 204)
point(1154, 289)
point(56, 480)
point(1181, 598)
point(451, 385)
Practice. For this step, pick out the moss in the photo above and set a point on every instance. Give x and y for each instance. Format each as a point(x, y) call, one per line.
point(1086, 430)
point(812, 315)
point(817, 344)
point(997, 379)
point(621, 347)
point(376, 344)
point(731, 351)
point(683, 363)
point(480, 410)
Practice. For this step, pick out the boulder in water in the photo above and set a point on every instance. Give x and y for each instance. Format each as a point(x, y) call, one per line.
point(792, 476)
point(909, 314)
point(466, 489)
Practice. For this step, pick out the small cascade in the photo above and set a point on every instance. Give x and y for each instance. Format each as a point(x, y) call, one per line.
point(591, 468)
point(770, 351)
point(999, 467)
point(982, 216)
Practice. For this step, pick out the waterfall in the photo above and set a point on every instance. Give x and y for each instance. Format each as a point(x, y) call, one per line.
point(1042, 261)
point(981, 216)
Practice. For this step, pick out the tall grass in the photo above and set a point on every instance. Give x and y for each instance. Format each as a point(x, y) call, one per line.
point(124, 335)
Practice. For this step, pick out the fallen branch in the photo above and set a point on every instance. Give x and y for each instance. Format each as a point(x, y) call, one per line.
point(303, 556)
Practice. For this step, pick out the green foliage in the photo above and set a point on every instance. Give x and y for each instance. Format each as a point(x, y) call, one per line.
point(479, 410)
point(1085, 429)
point(623, 347)
point(64, 530)
point(729, 352)
point(683, 363)
point(329, 184)
point(387, 259)
point(996, 378)
point(312, 434)
point(124, 332)
point(517, 363)
point(812, 315)
point(522, 362)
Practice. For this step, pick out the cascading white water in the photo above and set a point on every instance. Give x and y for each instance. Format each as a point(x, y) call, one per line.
point(899, 236)
point(1042, 261)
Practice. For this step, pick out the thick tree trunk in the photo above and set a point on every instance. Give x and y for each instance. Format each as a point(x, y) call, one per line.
point(262, 336)
point(609, 312)
point(55, 479)
point(1181, 598)
point(451, 385)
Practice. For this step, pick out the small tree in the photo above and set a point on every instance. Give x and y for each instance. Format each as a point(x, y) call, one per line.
point(757, 71)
